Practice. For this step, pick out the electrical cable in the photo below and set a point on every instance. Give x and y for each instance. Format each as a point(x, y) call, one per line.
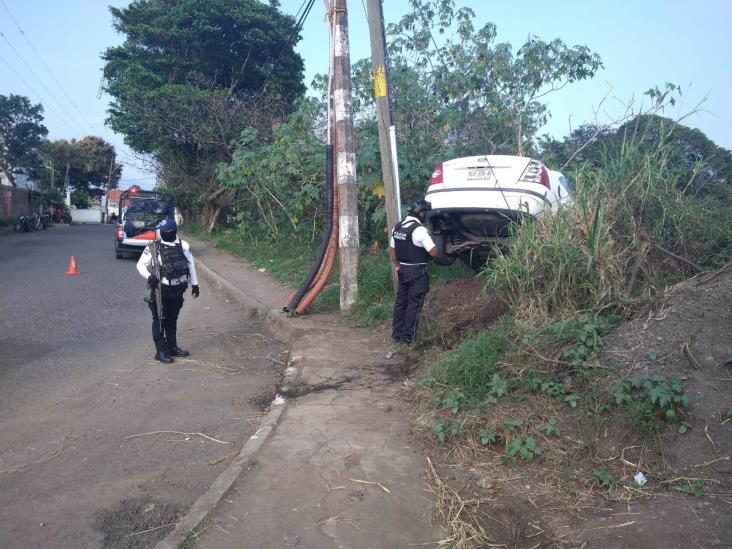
point(295, 30)
point(49, 92)
point(63, 90)
point(34, 92)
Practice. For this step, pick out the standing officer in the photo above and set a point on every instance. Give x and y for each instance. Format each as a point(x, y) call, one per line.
point(410, 249)
point(176, 271)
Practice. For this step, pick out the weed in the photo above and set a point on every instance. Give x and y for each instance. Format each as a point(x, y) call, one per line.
point(652, 355)
point(649, 397)
point(512, 424)
point(452, 400)
point(729, 411)
point(446, 430)
point(728, 360)
point(487, 437)
point(572, 400)
point(524, 447)
point(552, 388)
point(550, 427)
point(471, 366)
point(684, 426)
point(697, 488)
point(584, 336)
point(604, 477)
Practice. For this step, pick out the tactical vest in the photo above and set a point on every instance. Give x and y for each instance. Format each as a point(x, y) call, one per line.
point(173, 263)
point(406, 251)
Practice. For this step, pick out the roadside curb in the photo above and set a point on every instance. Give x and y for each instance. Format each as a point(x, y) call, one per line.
point(276, 324)
point(211, 498)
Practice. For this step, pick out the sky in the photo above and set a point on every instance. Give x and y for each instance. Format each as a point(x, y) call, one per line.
point(642, 44)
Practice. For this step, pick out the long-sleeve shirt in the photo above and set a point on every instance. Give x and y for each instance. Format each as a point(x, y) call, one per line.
point(145, 261)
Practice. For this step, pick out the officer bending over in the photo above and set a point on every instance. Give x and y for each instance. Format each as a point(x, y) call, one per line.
point(177, 269)
point(410, 249)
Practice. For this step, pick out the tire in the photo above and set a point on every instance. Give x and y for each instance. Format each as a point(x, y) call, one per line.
point(442, 259)
point(475, 259)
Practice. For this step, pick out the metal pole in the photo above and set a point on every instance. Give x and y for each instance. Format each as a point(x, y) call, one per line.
point(348, 238)
point(395, 163)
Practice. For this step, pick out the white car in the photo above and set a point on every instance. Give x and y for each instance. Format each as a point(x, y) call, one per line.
point(475, 200)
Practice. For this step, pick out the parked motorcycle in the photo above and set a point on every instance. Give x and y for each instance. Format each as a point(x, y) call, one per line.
point(22, 224)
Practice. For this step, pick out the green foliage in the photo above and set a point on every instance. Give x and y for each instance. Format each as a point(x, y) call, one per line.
point(87, 165)
point(649, 398)
point(550, 427)
point(614, 244)
point(728, 360)
point(524, 447)
point(696, 488)
point(471, 366)
point(487, 437)
point(512, 424)
point(729, 411)
point(572, 400)
point(652, 355)
point(604, 477)
point(583, 335)
point(80, 199)
point(552, 388)
point(21, 135)
point(446, 430)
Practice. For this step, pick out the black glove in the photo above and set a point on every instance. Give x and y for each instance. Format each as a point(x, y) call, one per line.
point(195, 291)
point(152, 281)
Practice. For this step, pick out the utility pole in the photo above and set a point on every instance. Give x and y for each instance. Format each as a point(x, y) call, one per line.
point(348, 239)
point(383, 113)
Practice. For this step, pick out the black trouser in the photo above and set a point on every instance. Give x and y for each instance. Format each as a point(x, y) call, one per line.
point(172, 298)
point(414, 283)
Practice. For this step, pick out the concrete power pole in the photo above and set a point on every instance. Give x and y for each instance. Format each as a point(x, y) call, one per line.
point(383, 111)
point(348, 239)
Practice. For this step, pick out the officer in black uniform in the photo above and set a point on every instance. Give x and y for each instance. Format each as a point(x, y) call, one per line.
point(410, 249)
point(177, 269)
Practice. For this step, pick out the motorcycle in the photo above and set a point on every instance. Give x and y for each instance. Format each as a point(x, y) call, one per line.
point(22, 224)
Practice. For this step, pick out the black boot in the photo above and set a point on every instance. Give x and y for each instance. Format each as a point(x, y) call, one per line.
point(177, 351)
point(162, 356)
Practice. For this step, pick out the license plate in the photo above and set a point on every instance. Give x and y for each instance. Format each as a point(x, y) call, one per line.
point(479, 173)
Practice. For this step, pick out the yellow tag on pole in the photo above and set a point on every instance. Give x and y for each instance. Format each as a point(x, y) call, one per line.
point(380, 81)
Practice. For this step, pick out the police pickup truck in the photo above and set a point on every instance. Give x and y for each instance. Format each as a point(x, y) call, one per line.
point(140, 213)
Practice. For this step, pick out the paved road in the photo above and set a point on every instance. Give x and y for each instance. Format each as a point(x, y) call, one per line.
point(77, 379)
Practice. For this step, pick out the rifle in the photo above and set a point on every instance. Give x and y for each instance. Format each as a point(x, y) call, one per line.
point(155, 270)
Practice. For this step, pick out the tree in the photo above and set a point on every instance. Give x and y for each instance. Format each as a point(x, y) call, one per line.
point(87, 165)
point(191, 74)
point(21, 134)
point(486, 87)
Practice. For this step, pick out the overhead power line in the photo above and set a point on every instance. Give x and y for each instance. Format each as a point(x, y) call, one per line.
point(48, 69)
point(49, 92)
point(34, 92)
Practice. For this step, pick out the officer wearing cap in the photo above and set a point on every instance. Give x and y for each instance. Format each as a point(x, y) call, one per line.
point(410, 248)
point(177, 270)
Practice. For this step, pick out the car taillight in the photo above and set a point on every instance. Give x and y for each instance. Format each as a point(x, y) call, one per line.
point(120, 233)
point(436, 175)
point(535, 172)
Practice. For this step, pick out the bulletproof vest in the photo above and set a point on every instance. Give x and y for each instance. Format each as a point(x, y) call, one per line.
point(406, 251)
point(173, 264)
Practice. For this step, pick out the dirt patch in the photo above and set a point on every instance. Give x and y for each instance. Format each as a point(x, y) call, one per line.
point(557, 498)
point(137, 523)
point(458, 308)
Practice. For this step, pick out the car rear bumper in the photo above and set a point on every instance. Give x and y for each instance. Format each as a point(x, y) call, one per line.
point(455, 199)
point(131, 245)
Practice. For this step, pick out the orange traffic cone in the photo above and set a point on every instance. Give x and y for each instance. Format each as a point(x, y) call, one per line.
point(72, 267)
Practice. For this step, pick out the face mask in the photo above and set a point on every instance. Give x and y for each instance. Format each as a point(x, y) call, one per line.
point(168, 236)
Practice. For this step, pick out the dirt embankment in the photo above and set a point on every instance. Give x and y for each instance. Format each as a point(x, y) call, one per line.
point(558, 499)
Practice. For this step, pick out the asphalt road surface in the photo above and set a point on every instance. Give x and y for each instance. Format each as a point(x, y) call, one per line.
point(77, 380)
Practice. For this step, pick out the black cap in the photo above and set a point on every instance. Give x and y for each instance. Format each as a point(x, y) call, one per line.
point(419, 206)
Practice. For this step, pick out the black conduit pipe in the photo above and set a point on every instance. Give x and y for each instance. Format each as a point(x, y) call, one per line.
point(325, 238)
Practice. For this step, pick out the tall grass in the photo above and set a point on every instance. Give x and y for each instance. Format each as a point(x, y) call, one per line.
point(630, 231)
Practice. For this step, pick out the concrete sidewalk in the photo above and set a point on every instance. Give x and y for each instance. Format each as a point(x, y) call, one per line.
point(338, 469)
